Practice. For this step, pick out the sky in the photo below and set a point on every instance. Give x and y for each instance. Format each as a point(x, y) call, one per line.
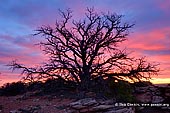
point(19, 19)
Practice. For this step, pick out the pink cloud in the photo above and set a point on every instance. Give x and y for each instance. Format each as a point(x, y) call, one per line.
point(153, 40)
point(165, 6)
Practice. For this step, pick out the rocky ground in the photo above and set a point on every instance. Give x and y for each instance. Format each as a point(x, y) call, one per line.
point(150, 99)
point(48, 104)
point(33, 104)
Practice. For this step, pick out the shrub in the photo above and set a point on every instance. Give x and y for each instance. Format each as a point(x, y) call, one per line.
point(33, 86)
point(142, 84)
point(55, 85)
point(12, 89)
point(120, 90)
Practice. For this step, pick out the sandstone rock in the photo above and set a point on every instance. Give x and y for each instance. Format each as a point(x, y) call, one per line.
point(107, 102)
point(141, 89)
point(35, 100)
point(157, 92)
point(86, 110)
point(70, 111)
point(84, 102)
point(152, 88)
point(157, 99)
point(37, 107)
point(78, 107)
point(165, 108)
point(90, 105)
point(27, 95)
point(123, 110)
point(89, 102)
point(30, 109)
point(102, 107)
point(15, 111)
point(140, 108)
point(144, 97)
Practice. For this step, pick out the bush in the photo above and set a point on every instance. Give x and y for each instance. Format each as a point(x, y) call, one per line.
point(33, 86)
point(55, 85)
point(142, 84)
point(12, 89)
point(120, 90)
point(49, 86)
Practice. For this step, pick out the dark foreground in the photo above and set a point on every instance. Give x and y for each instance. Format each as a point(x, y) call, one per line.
point(51, 104)
point(52, 98)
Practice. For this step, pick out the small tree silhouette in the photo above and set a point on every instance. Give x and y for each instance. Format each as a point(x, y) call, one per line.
point(85, 50)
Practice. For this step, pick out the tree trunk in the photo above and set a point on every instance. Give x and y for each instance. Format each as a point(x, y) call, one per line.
point(85, 82)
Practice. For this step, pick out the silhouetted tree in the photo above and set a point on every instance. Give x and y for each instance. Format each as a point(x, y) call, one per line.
point(87, 50)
